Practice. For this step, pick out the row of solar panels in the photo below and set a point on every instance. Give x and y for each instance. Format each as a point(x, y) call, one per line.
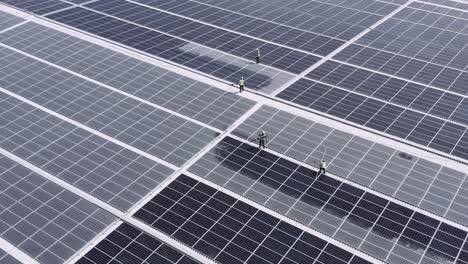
point(403, 118)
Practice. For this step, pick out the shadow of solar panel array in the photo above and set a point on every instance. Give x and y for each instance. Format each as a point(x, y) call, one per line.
point(425, 184)
point(99, 167)
point(342, 21)
point(166, 136)
point(6, 258)
point(43, 219)
point(173, 91)
point(128, 244)
point(380, 228)
point(230, 231)
point(39, 7)
point(256, 28)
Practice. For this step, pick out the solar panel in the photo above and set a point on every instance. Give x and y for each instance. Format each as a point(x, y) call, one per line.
point(78, 2)
point(6, 258)
point(393, 119)
point(278, 57)
point(414, 180)
point(99, 167)
point(128, 244)
point(448, 3)
point(230, 231)
point(186, 96)
point(428, 50)
point(342, 21)
point(374, 225)
point(41, 218)
point(7, 20)
point(40, 7)
point(262, 29)
point(198, 57)
point(161, 134)
point(404, 96)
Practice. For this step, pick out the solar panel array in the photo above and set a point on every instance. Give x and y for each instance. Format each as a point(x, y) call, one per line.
point(231, 231)
point(154, 84)
point(417, 181)
point(414, 87)
point(127, 244)
point(368, 222)
point(43, 219)
point(167, 47)
point(98, 139)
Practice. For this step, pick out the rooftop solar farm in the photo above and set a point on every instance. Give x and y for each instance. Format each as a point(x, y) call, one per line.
point(233, 131)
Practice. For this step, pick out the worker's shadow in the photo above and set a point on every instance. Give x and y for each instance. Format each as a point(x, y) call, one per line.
point(245, 137)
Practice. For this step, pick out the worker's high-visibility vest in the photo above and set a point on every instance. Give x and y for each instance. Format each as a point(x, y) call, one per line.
point(323, 165)
point(241, 82)
point(261, 137)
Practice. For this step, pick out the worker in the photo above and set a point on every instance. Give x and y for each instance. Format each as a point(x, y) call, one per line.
point(241, 85)
point(257, 59)
point(323, 167)
point(262, 137)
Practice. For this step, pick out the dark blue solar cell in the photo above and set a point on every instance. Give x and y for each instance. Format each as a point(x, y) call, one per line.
point(128, 244)
point(425, 131)
point(405, 124)
point(309, 96)
point(38, 7)
point(365, 111)
point(407, 94)
point(446, 105)
point(461, 149)
point(447, 137)
point(394, 64)
point(426, 99)
point(446, 78)
point(338, 74)
point(98, 256)
point(411, 69)
point(385, 117)
point(323, 70)
point(362, 56)
point(332, 45)
point(389, 89)
point(329, 99)
point(358, 260)
point(428, 73)
point(348, 52)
